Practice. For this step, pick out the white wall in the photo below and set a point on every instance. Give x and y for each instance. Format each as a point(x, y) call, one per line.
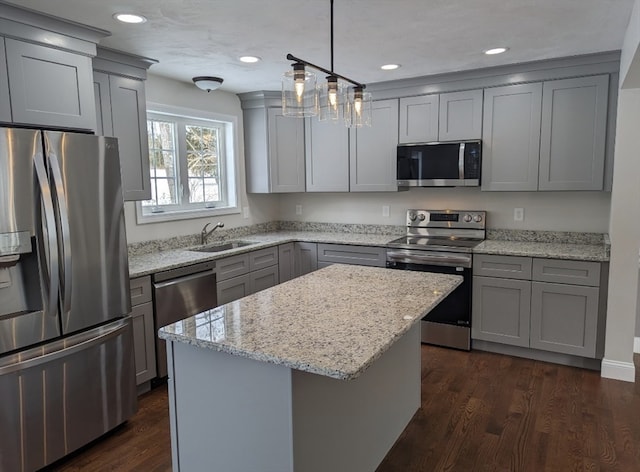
point(550, 211)
point(630, 73)
point(186, 95)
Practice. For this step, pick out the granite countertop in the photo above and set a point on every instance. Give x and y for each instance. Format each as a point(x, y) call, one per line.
point(551, 250)
point(334, 322)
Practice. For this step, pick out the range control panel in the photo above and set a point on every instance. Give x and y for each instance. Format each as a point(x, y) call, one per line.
point(467, 219)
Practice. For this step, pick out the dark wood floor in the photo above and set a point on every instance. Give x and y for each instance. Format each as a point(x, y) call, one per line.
point(480, 412)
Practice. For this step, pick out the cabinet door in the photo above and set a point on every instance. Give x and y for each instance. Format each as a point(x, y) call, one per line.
point(129, 115)
point(306, 258)
point(49, 87)
point(419, 119)
point(327, 156)
point(232, 266)
point(511, 137)
point(144, 345)
point(263, 278)
point(572, 143)
point(373, 152)
point(104, 123)
point(501, 310)
point(564, 318)
point(286, 262)
point(286, 152)
point(357, 255)
point(233, 289)
point(5, 103)
point(262, 258)
point(460, 115)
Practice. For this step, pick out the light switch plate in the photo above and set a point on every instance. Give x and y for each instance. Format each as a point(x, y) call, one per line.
point(518, 214)
point(298, 209)
point(245, 212)
point(385, 210)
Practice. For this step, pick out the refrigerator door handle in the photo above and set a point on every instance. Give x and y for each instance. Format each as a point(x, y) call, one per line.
point(63, 214)
point(43, 197)
point(101, 336)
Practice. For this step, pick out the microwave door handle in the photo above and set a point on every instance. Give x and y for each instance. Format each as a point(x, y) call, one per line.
point(43, 197)
point(63, 215)
point(461, 162)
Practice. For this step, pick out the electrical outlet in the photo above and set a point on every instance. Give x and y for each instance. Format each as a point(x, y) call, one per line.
point(518, 214)
point(298, 209)
point(245, 212)
point(385, 210)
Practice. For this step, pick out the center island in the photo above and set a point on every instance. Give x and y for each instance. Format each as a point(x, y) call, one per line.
point(320, 373)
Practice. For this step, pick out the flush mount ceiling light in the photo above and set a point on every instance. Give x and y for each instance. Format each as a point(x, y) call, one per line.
point(390, 67)
point(131, 18)
point(491, 52)
point(332, 100)
point(207, 83)
point(249, 59)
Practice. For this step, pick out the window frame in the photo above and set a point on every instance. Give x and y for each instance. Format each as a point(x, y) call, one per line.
point(229, 141)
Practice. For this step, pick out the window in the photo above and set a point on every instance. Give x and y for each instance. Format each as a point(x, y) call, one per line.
point(192, 165)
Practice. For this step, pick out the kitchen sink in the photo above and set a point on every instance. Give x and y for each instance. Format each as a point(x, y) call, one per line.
point(223, 246)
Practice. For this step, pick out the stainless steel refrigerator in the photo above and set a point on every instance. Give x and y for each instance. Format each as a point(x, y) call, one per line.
point(66, 355)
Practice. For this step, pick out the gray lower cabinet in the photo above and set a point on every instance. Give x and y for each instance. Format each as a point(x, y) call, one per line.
point(144, 346)
point(573, 137)
point(263, 279)
point(244, 274)
point(373, 151)
point(233, 289)
point(347, 254)
point(547, 304)
point(286, 262)
point(326, 156)
point(306, 258)
point(49, 87)
point(5, 101)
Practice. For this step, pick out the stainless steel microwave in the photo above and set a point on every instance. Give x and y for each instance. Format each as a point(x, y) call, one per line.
point(446, 164)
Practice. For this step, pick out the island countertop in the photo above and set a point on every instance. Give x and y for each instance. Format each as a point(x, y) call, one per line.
point(333, 322)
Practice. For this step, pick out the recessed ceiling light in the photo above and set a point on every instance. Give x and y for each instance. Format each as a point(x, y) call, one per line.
point(390, 66)
point(493, 51)
point(129, 18)
point(249, 59)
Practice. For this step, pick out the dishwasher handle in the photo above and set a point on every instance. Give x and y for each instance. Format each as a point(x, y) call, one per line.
point(186, 278)
point(202, 268)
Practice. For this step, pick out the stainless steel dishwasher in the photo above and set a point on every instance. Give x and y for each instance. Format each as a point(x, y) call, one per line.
point(178, 294)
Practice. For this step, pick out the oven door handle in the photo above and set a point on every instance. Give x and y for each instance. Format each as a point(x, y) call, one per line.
point(415, 257)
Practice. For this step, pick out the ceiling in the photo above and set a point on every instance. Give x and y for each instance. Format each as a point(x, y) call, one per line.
point(206, 37)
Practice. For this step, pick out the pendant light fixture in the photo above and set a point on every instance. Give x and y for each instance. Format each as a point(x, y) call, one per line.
point(331, 101)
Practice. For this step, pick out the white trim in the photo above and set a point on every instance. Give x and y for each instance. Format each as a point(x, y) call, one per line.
point(618, 370)
point(636, 345)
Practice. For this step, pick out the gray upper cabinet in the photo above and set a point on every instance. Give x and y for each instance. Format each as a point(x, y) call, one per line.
point(511, 137)
point(286, 152)
point(419, 119)
point(327, 156)
point(373, 150)
point(5, 103)
point(121, 111)
point(573, 139)
point(460, 115)
point(49, 87)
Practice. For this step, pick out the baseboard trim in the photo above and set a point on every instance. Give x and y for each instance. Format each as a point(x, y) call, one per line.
point(617, 370)
point(636, 345)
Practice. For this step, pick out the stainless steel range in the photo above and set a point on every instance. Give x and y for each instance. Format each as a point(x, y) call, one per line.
point(442, 241)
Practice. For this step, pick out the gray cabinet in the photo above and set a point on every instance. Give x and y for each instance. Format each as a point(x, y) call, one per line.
point(49, 87)
point(5, 103)
point(511, 137)
point(547, 304)
point(274, 145)
point(327, 156)
point(306, 258)
point(573, 138)
point(286, 262)
point(419, 119)
point(144, 346)
point(244, 274)
point(460, 115)
point(346, 254)
point(373, 150)
point(119, 90)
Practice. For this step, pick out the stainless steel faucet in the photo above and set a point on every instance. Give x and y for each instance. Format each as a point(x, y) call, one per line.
point(204, 234)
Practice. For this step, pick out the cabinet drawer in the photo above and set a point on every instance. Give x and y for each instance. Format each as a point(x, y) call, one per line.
point(345, 254)
point(140, 290)
point(232, 266)
point(567, 272)
point(263, 279)
point(233, 289)
point(263, 258)
point(506, 267)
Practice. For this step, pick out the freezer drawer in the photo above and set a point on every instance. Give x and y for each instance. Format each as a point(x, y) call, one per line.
point(59, 397)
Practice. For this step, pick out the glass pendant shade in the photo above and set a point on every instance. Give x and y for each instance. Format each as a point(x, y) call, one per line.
point(359, 108)
point(299, 95)
point(331, 100)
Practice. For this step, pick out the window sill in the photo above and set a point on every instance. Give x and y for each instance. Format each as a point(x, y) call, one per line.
point(142, 219)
